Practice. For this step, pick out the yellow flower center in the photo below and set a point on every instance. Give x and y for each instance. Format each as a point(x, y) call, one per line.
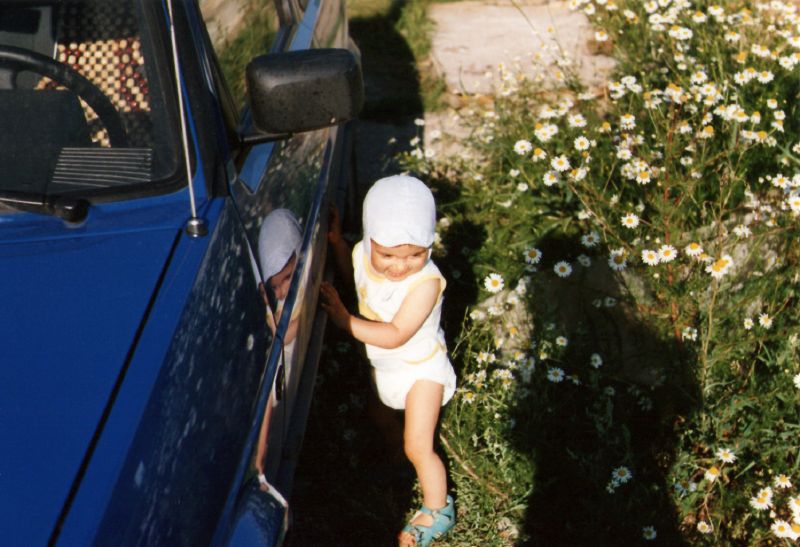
point(720, 265)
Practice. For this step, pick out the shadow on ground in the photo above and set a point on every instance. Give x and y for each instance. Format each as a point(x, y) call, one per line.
point(621, 414)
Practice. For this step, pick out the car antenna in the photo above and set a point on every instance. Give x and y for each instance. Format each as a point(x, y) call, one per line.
point(195, 227)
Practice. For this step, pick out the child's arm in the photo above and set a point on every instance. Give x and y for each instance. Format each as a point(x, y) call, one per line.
point(416, 307)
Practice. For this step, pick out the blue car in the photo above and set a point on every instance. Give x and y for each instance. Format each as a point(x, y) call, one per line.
point(160, 255)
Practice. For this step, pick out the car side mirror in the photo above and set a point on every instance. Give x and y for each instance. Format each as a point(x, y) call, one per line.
point(298, 91)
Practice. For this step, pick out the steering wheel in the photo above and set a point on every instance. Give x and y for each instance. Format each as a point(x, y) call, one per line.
point(19, 60)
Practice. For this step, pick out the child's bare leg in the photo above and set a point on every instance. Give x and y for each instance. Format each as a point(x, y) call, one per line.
point(423, 403)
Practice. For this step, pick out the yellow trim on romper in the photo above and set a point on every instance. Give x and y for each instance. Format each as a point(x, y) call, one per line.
point(439, 347)
point(367, 312)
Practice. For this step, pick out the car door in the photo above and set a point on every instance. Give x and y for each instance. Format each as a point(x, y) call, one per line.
point(281, 191)
point(290, 180)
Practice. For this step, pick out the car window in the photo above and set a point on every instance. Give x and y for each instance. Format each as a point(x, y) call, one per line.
point(85, 100)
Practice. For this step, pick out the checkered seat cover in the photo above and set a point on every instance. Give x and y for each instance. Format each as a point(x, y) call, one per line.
point(100, 39)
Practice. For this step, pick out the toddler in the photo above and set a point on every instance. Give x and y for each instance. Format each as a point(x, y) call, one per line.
point(399, 291)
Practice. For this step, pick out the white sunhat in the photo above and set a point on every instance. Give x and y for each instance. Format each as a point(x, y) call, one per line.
point(279, 238)
point(399, 210)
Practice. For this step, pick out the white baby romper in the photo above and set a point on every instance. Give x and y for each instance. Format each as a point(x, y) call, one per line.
point(424, 356)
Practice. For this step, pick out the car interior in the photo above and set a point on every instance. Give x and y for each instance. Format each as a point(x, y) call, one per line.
point(80, 104)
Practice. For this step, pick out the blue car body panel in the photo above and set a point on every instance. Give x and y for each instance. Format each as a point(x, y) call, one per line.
point(138, 364)
point(51, 405)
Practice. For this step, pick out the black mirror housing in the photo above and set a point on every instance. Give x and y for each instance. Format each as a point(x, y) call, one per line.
point(298, 91)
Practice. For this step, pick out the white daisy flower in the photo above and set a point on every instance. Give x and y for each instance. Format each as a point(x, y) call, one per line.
point(624, 153)
point(493, 283)
point(762, 500)
point(794, 506)
point(693, 249)
point(533, 255)
point(627, 121)
point(667, 253)
point(576, 120)
point(796, 380)
point(689, 333)
point(539, 154)
point(650, 257)
point(712, 473)
point(649, 533)
point(581, 143)
point(742, 231)
point(783, 529)
point(555, 374)
point(704, 528)
point(595, 360)
point(590, 240)
point(765, 320)
point(561, 341)
point(522, 147)
point(793, 201)
point(748, 323)
point(782, 481)
point(562, 268)
point(720, 267)
point(560, 163)
point(726, 455)
point(765, 76)
point(630, 221)
point(550, 178)
point(621, 475)
point(617, 260)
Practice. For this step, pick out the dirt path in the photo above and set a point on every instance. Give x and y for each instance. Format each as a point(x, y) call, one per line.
point(473, 37)
point(471, 40)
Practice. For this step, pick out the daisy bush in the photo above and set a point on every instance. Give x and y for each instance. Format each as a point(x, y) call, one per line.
point(632, 370)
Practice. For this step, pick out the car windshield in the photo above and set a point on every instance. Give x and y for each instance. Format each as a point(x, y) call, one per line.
point(85, 100)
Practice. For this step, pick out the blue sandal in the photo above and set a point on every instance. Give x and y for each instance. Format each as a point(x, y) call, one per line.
point(443, 520)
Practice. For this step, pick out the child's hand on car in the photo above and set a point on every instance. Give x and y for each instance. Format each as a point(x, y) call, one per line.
point(334, 307)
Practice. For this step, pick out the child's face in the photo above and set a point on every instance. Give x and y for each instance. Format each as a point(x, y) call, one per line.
point(397, 263)
point(281, 281)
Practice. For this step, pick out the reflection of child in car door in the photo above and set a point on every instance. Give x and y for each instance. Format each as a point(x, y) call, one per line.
point(279, 242)
point(399, 291)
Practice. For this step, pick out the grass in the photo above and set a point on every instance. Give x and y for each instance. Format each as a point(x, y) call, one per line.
point(252, 40)
point(394, 38)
